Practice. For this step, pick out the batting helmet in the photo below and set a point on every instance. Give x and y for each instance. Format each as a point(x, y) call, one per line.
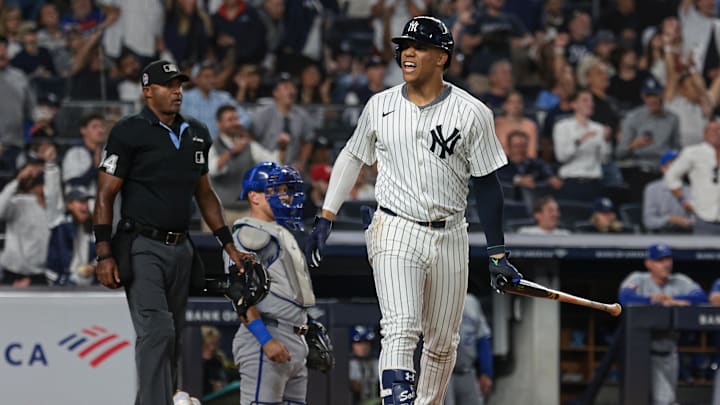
point(427, 30)
point(286, 197)
point(255, 179)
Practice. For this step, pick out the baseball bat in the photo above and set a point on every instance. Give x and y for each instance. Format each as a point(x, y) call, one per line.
point(530, 289)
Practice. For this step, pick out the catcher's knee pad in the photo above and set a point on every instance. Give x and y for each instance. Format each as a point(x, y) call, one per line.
point(398, 387)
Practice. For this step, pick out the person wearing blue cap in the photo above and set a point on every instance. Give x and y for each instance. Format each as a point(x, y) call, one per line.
point(603, 219)
point(660, 286)
point(661, 210)
point(363, 366)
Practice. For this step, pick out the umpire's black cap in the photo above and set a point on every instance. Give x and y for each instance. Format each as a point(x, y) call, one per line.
point(161, 72)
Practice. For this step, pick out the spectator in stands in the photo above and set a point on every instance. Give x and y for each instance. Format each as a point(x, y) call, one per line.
point(375, 74)
point(603, 219)
point(10, 28)
point(187, 31)
point(579, 27)
point(71, 252)
point(346, 71)
point(81, 162)
point(51, 36)
point(647, 132)
point(653, 57)
point(22, 207)
point(89, 78)
point(581, 146)
point(685, 95)
point(699, 163)
point(527, 175)
point(661, 210)
point(44, 117)
point(626, 84)
point(83, 16)
point(203, 100)
point(245, 83)
point(491, 38)
point(602, 44)
point(500, 84)
point(553, 16)
point(16, 106)
point(322, 151)
point(232, 23)
point(455, 73)
point(214, 360)
point(315, 193)
point(126, 76)
point(547, 215)
point(272, 15)
point(284, 125)
point(232, 154)
point(697, 18)
point(33, 60)
point(512, 120)
point(363, 365)
point(563, 87)
point(604, 111)
point(314, 86)
point(659, 286)
point(623, 20)
point(139, 27)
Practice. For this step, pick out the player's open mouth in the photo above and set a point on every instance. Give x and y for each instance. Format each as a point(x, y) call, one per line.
point(409, 67)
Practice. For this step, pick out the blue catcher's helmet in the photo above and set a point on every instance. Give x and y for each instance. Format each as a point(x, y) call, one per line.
point(255, 179)
point(285, 195)
point(362, 333)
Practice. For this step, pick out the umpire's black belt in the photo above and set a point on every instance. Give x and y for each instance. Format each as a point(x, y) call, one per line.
point(166, 237)
point(430, 224)
point(298, 330)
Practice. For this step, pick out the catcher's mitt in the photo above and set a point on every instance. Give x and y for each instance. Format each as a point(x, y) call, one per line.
point(248, 288)
point(320, 355)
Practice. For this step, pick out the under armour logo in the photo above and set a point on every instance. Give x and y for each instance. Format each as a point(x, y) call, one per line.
point(447, 145)
point(410, 377)
point(413, 26)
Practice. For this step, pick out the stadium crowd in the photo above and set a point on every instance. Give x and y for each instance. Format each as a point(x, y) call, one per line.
point(607, 115)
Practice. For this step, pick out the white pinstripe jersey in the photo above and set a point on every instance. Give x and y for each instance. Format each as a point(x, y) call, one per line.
point(427, 154)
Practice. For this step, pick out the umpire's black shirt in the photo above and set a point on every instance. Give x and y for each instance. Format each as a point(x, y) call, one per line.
point(159, 178)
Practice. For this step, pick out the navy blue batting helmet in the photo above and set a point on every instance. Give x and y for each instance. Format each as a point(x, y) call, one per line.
point(426, 30)
point(362, 333)
point(286, 197)
point(256, 178)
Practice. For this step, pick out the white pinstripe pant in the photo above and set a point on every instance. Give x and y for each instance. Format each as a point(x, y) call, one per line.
point(421, 278)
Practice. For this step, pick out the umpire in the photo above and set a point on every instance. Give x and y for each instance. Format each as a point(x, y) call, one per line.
point(157, 159)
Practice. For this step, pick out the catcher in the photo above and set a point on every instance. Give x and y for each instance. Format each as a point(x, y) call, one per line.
point(271, 346)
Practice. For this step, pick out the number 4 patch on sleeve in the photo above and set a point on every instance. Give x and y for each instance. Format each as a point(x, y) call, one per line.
point(109, 164)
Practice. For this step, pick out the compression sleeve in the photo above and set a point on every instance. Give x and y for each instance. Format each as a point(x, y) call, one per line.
point(489, 199)
point(344, 174)
point(485, 359)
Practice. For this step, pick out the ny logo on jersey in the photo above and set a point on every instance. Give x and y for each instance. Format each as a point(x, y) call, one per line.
point(446, 145)
point(413, 26)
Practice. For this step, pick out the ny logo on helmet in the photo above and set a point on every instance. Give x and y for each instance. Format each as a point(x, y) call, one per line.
point(413, 26)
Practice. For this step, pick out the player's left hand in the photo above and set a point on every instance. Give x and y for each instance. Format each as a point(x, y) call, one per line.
point(485, 384)
point(315, 244)
point(503, 272)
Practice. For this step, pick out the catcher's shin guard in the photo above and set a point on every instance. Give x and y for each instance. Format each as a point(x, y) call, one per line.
point(398, 387)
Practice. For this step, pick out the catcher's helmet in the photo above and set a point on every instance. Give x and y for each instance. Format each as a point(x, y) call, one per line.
point(285, 195)
point(255, 179)
point(427, 30)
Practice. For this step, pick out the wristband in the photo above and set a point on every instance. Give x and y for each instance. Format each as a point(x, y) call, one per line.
point(494, 250)
point(258, 329)
point(103, 232)
point(223, 235)
point(103, 257)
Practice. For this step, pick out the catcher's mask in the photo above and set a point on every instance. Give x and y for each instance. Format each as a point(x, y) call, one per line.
point(285, 195)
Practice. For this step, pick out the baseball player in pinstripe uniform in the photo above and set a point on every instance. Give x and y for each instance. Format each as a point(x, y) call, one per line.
point(270, 348)
point(658, 286)
point(428, 138)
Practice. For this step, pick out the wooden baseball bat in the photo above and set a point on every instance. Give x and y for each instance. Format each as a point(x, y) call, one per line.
point(530, 289)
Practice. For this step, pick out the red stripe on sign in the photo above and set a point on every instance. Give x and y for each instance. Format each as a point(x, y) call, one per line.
point(95, 345)
point(99, 328)
point(109, 352)
point(89, 332)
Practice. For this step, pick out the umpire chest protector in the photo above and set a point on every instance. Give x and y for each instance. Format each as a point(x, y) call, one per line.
point(277, 249)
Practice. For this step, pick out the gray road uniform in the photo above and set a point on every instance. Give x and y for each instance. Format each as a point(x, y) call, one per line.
point(284, 313)
point(464, 388)
point(637, 289)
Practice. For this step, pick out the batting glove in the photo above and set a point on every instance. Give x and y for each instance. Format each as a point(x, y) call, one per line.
point(503, 272)
point(315, 244)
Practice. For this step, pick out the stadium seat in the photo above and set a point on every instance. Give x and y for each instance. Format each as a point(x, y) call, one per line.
point(574, 211)
point(515, 210)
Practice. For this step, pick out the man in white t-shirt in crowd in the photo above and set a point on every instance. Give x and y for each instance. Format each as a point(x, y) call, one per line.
point(547, 215)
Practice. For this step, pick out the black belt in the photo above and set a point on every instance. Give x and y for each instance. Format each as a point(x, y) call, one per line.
point(168, 238)
point(298, 330)
point(430, 224)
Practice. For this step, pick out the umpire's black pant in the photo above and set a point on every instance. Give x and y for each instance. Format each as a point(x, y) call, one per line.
point(157, 299)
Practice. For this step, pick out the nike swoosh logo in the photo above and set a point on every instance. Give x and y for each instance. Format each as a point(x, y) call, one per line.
point(387, 113)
